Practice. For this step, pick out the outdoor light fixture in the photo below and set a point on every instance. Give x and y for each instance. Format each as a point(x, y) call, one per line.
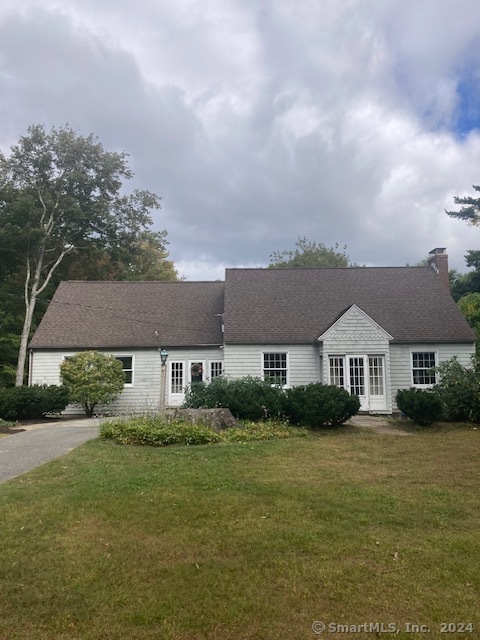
point(163, 378)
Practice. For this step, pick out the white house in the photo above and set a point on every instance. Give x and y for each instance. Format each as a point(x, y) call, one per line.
point(371, 330)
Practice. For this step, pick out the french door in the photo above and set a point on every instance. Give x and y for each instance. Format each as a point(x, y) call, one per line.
point(361, 375)
point(356, 382)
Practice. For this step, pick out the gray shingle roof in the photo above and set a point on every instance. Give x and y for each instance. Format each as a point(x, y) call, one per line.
point(297, 305)
point(269, 306)
point(127, 314)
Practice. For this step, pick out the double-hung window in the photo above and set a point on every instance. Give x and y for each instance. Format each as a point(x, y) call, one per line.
point(275, 368)
point(422, 365)
point(127, 366)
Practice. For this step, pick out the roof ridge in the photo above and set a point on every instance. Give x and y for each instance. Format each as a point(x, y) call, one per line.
point(276, 270)
point(143, 281)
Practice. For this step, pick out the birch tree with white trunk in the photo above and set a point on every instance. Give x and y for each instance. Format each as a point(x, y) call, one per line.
point(60, 191)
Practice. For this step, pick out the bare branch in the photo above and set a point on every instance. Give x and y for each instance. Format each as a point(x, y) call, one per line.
point(53, 267)
point(44, 206)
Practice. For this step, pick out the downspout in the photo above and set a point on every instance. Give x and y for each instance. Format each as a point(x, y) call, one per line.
point(319, 346)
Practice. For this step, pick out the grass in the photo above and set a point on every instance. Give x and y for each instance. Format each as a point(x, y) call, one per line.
point(244, 541)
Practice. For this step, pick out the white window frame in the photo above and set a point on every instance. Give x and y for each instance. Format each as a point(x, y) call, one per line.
point(423, 386)
point(127, 355)
point(170, 391)
point(287, 366)
point(342, 358)
point(189, 370)
point(211, 365)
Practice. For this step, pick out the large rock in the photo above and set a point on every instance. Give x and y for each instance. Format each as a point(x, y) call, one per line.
point(217, 419)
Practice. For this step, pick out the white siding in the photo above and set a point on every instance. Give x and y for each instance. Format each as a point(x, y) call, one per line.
point(143, 395)
point(357, 334)
point(246, 360)
point(401, 361)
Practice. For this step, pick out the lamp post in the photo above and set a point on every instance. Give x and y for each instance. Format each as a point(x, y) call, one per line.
point(163, 380)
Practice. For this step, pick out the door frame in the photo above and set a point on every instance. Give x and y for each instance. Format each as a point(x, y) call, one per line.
point(366, 399)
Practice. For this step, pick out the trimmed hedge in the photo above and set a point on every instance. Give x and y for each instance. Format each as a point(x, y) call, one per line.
point(30, 403)
point(313, 405)
point(247, 398)
point(421, 406)
point(320, 405)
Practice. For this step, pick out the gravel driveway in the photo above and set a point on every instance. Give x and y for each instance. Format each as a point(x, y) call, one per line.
point(21, 452)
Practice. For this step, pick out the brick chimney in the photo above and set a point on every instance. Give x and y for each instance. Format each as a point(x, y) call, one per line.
point(438, 260)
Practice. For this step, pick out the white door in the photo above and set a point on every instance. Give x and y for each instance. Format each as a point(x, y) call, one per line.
point(357, 382)
point(376, 383)
point(176, 383)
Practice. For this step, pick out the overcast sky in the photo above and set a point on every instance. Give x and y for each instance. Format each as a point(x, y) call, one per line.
point(345, 121)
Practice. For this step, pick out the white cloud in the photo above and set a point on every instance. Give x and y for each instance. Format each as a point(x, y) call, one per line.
point(261, 123)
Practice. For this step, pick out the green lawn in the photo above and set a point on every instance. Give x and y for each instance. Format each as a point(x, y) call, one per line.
point(252, 541)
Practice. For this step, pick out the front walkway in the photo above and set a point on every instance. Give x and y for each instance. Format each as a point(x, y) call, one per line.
point(378, 424)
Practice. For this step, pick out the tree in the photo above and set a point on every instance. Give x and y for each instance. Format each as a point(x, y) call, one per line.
point(143, 257)
point(464, 283)
point(92, 378)
point(310, 254)
point(469, 305)
point(470, 211)
point(60, 193)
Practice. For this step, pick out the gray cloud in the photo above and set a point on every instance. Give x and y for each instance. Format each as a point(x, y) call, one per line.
point(261, 125)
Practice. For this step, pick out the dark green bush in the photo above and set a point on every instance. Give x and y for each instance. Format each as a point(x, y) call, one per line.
point(320, 405)
point(420, 405)
point(247, 398)
point(157, 432)
point(30, 403)
point(459, 391)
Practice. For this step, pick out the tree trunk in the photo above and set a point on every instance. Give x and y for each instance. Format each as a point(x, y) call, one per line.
point(31, 294)
point(22, 353)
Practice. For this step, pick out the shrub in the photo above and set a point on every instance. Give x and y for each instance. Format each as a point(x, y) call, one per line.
point(157, 432)
point(459, 391)
point(92, 378)
point(320, 405)
point(247, 398)
point(420, 405)
point(30, 403)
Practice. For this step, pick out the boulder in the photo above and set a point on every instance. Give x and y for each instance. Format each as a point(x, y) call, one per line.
point(216, 419)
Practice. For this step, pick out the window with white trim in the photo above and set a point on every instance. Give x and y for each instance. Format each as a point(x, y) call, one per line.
point(337, 371)
point(176, 378)
point(375, 372)
point(196, 371)
point(422, 365)
point(127, 366)
point(216, 369)
point(275, 367)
